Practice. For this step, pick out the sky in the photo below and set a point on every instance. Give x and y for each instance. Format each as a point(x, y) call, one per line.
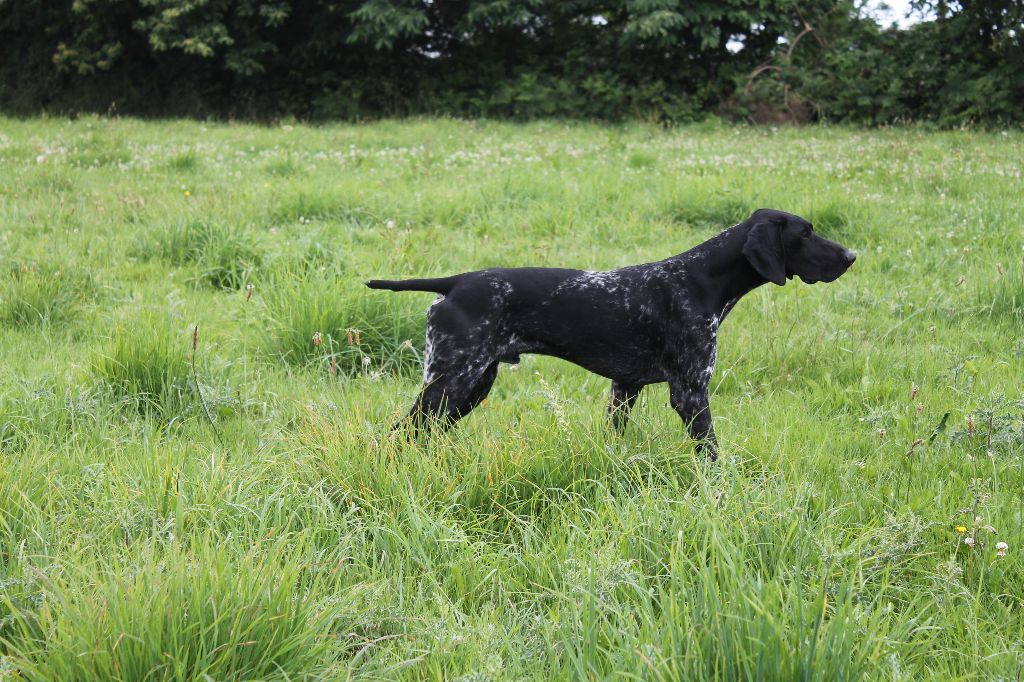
point(886, 12)
point(897, 12)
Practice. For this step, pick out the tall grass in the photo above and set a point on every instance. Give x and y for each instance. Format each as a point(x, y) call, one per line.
point(324, 319)
point(145, 362)
point(1002, 296)
point(868, 427)
point(43, 294)
point(225, 256)
point(179, 615)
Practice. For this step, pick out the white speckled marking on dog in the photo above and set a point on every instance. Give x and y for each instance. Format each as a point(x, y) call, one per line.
point(637, 325)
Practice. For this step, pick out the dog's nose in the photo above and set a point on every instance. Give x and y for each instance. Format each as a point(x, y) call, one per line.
point(849, 256)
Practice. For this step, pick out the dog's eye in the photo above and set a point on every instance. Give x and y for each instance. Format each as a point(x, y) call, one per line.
point(807, 232)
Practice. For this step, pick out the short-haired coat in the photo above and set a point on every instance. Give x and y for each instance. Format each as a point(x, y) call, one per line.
point(637, 325)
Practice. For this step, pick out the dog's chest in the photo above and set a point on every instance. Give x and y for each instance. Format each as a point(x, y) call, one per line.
point(696, 348)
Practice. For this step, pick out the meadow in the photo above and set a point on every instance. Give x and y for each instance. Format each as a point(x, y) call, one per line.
point(192, 489)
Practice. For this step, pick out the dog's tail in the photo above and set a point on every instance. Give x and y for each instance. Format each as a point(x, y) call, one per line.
point(439, 285)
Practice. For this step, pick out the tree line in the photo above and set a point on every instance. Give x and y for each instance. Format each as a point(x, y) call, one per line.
point(664, 60)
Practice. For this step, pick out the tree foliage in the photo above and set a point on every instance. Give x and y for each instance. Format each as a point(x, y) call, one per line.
point(662, 59)
point(965, 65)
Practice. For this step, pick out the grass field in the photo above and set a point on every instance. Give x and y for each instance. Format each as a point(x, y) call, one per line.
point(299, 539)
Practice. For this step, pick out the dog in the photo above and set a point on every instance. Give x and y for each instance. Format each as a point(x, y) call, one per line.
point(638, 325)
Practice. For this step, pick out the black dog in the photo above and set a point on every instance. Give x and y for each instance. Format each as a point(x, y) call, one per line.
point(637, 325)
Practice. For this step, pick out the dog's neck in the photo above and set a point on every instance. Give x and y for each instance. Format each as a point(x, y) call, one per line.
point(719, 268)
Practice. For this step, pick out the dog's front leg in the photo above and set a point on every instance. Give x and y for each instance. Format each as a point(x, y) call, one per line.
point(691, 402)
point(622, 398)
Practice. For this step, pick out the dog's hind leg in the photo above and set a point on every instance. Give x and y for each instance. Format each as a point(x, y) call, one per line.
point(451, 396)
point(460, 359)
point(623, 397)
point(478, 392)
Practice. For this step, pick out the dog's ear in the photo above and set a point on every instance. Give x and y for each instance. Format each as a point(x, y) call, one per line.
point(763, 249)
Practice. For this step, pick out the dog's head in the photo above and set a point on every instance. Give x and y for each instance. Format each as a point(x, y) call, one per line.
point(780, 245)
